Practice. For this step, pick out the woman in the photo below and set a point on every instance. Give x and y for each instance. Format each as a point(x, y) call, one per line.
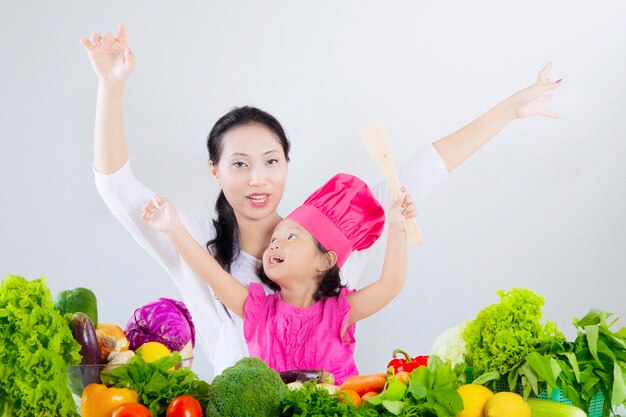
point(248, 153)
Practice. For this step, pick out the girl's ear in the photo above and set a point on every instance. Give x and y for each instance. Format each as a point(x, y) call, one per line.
point(214, 172)
point(330, 260)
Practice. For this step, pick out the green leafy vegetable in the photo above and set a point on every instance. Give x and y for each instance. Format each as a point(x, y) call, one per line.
point(313, 400)
point(595, 362)
point(431, 393)
point(601, 362)
point(36, 345)
point(503, 334)
point(156, 383)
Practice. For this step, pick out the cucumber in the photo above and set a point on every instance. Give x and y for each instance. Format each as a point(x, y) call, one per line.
point(303, 375)
point(549, 408)
point(85, 335)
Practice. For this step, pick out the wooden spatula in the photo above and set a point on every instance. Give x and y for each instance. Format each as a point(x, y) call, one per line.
point(377, 145)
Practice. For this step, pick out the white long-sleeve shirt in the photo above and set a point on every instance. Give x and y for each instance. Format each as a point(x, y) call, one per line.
point(218, 333)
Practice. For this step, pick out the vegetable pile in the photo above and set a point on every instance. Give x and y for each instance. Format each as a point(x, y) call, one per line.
point(314, 400)
point(507, 343)
point(157, 383)
point(36, 345)
point(505, 347)
point(431, 391)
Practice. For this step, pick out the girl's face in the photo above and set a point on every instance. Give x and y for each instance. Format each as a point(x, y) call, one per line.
point(292, 254)
point(252, 170)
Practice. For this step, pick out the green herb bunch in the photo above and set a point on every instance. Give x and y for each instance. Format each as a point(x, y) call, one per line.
point(157, 383)
point(594, 362)
point(313, 400)
point(431, 392)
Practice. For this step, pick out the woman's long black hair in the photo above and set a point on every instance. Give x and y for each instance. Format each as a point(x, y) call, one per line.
point(225, 246)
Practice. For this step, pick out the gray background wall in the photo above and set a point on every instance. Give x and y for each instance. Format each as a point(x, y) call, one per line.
point(541, 206)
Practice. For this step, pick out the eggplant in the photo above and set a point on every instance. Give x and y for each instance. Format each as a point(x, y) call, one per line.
point(85, 335)
point(303, 375)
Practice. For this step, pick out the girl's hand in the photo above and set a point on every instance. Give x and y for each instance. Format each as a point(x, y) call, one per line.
point(110, 57)
point(163, 218)
point(404, 207)
point(529, 101)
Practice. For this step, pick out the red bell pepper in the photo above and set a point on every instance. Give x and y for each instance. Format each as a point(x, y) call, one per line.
point(407, 363)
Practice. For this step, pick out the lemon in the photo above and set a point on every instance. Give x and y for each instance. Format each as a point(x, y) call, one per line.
point(153, 351)
point(507, 404)
point(474, 397)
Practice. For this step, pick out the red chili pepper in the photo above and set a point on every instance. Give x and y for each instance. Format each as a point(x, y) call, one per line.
point(407, 363)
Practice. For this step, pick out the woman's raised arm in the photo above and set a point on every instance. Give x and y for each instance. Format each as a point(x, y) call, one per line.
point(113, 62)
point(455, 148)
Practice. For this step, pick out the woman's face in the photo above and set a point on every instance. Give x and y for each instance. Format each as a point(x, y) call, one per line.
point(252, 171)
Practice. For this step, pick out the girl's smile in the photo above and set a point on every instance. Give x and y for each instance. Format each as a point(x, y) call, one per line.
point(274, 259)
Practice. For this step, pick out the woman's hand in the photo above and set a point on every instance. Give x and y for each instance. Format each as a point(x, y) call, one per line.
point(403, 208)
point(110, 57)
point(529, 101)
point(163, 218)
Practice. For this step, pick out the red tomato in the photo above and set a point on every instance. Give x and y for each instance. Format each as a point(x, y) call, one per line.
point(131, 410)
point(184, 406)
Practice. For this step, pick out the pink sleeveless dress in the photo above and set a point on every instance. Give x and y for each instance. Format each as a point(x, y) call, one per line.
point(288, 337)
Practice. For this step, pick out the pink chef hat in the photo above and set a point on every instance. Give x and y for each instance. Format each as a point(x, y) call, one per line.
point(342, 215)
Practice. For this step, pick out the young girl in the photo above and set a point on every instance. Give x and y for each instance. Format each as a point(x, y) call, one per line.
point(310, 321)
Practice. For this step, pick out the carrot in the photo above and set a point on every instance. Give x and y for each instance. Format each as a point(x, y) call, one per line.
point(351, 395)
point(365, 383)
point(368, 395)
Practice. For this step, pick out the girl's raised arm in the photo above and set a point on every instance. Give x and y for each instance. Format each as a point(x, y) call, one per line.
point(375, 296)
point(455, 148)
point(113, 62)
point(232, 293)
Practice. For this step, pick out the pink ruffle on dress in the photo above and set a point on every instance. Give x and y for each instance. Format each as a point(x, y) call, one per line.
point(288, 337)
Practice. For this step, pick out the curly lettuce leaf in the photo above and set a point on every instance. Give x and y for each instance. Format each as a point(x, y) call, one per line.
point(502, 335)
point(36, 345)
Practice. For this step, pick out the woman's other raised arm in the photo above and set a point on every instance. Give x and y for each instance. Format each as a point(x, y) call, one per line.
point(455, 148)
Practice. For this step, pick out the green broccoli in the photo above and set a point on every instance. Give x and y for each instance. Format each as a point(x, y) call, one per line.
point(249, 388)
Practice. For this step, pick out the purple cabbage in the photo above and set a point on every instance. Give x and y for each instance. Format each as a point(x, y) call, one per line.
point(165, 321)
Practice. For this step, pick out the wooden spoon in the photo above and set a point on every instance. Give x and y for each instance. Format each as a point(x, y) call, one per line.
point(377, 145)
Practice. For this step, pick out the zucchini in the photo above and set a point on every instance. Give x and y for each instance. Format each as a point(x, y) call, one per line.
point(549, 408)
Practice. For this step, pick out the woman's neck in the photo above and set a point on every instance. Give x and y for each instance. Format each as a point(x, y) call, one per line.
point(255, 234)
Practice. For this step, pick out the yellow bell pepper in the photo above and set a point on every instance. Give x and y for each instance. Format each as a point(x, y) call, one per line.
point(100, 401)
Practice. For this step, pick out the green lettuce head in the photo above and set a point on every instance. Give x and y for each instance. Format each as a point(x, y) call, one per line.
point(503, 334)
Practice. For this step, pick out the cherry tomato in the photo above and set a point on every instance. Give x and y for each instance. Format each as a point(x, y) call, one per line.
point(403, 376)
point(368, 395)
point(184, 406)
point(131, 410)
